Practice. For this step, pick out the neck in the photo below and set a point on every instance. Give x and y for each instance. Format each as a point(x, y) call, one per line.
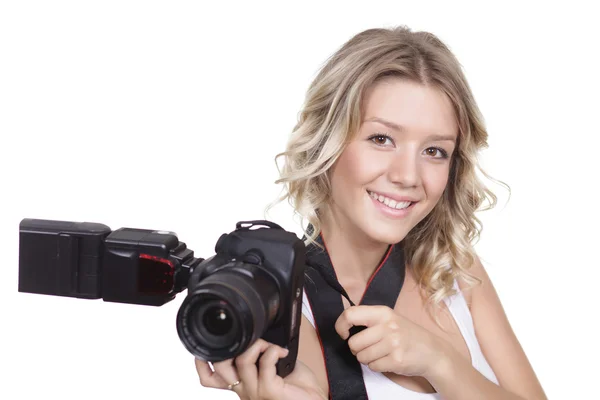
point(354, 255)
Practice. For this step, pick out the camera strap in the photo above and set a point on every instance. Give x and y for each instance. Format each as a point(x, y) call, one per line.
point(344, 372)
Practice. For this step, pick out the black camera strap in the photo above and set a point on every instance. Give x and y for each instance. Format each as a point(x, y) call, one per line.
point(323, 290)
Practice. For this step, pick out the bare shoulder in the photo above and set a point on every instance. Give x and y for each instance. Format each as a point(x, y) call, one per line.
point(497, 339)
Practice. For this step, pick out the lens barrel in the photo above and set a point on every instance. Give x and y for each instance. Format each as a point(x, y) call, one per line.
point(226, 312)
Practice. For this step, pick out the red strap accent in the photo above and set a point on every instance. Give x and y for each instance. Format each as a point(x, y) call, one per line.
point(376, 271)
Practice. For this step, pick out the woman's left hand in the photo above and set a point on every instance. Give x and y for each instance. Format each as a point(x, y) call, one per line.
point(390, 343)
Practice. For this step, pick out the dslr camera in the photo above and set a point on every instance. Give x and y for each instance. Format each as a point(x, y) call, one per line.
point(250, 288)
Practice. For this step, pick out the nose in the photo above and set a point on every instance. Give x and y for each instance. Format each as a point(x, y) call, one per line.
point(404, 169)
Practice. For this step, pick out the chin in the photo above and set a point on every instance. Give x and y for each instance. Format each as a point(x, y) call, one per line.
point(384, 233)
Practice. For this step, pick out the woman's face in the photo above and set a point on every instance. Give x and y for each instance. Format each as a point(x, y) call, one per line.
point(396, 168)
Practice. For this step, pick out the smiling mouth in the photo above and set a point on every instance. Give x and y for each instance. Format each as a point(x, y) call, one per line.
point(390, 203)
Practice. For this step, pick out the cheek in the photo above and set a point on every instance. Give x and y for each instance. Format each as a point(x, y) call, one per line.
point(435, 181)
point(356, 168)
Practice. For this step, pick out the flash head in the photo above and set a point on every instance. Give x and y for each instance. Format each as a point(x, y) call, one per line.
point(89, 260)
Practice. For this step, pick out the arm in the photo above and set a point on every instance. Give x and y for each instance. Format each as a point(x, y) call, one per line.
point(310, 354)
point(499, 345)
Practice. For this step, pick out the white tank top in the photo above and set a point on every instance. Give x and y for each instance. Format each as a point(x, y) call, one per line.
point(379, 386)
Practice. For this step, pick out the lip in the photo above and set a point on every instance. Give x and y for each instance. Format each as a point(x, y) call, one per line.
point(391, 212)
point(393, 196)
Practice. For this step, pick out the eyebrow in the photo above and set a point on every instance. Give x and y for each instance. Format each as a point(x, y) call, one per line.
point(400, 128)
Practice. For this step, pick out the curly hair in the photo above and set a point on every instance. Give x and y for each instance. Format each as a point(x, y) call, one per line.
point(440, 248)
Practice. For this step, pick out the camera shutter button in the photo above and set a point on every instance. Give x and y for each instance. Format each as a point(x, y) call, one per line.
point(220, 242)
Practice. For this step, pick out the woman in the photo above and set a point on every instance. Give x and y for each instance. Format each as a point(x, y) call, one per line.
point(385, 153)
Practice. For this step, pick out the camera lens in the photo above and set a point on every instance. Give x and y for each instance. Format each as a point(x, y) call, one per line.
point(217, 321)
point(213, 322)
point(226, 312)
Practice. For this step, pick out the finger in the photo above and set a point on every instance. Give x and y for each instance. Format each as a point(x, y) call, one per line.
point(366, 338)
point(207, 377)
point(373, 353)
point(383, 364)
point(227, 371)
point(268, 371)
point(246, 365)
point(360, 315)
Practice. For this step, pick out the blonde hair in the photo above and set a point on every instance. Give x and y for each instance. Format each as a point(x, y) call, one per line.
point(439, 249)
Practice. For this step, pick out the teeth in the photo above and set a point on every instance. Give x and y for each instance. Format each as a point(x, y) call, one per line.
point(398, 205)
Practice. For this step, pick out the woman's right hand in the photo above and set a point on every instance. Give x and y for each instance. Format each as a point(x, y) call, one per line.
point(261, 383)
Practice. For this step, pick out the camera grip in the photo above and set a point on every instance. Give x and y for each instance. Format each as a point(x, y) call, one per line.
point(285, 365)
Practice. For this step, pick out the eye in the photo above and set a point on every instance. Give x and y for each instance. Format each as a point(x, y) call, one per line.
point(380, 139)
point(436, 152)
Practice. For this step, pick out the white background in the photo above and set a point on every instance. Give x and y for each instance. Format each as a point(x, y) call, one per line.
point(167, 115)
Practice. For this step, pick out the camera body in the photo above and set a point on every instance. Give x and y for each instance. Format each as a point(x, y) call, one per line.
point(250, 288)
